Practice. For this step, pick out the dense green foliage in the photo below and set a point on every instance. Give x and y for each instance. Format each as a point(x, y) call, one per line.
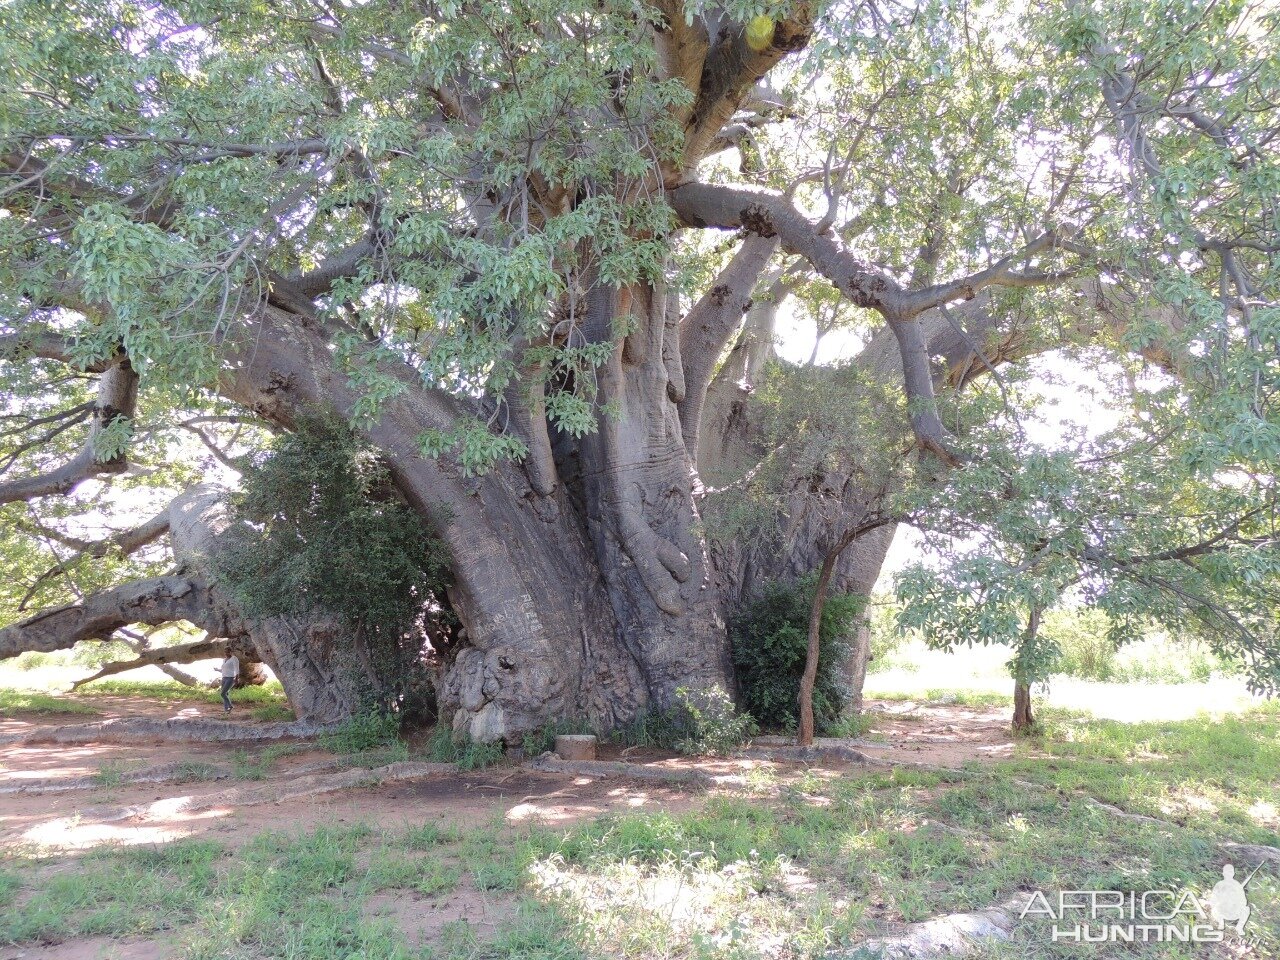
point(770, 637)
point(323, 530)
point(714, 726)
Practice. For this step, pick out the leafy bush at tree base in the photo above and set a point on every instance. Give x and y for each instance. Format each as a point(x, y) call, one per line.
point(324, 529)
point(770, 640)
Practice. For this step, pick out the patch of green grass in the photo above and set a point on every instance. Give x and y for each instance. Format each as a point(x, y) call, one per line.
point(466, 753)
point(273, 713)
point(1209, 773)
point(436, 877)
point(15, 702)
point(659, 729)
point(537, 930)
point(427, 836)
point(368, 731)
point(497, 876)
point(9, 886)
point(812, 867)
point(391, 870)
point(256, 765)
point(112, 773)
point(171, 690)
point(852, 726)
point(194, 771)
point(118, 893)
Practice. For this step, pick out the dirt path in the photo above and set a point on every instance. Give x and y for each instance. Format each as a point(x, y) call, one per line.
point(87, 801)
point(944, 735)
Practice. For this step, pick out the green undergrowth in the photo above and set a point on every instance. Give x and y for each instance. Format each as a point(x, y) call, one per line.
point(18, 702)
point(268, 694)
point(466, 754)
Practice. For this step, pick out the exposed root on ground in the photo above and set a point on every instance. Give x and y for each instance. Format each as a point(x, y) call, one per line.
point(198, 729)
point(182, 772)
point(550, 763)
point(311, 786)
point(782, 750)
point(952, 935)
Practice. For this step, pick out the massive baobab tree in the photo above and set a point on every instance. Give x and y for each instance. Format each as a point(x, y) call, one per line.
point(535, 253)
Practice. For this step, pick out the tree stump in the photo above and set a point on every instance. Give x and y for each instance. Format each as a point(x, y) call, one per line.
point(576, 747)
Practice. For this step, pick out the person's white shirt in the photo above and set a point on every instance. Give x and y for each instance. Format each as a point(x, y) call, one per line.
point(231, 666)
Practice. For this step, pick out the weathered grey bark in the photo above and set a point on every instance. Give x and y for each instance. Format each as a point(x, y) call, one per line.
point(252, 674)
point(542, 638)
point(855, 667)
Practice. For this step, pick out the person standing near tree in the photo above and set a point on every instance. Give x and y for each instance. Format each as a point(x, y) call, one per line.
point(230, 671)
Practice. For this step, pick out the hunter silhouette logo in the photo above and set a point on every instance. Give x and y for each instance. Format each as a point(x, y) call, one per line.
point(1228, 900)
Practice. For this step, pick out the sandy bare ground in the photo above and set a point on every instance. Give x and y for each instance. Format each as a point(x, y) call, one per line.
point(72, 796)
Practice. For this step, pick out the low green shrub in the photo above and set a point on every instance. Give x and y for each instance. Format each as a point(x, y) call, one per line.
point(464, 753)
point(367, 731)
point(717, 728)
point(660, 729)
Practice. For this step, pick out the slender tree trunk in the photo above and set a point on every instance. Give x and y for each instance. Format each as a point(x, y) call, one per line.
point(810, 675)
point(859, 657)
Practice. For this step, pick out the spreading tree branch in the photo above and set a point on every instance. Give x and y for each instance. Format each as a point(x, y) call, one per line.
point(714, 319)
point(117, 400)
point(97, 617)
point(125, 542)
point(165, 656)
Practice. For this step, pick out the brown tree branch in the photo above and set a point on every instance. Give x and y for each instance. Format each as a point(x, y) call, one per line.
point(165, 656)
point(731, 70)
point(156, 600)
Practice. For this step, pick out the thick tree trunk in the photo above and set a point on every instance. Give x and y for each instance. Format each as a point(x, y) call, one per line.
point(855, 667)
point(586, 602)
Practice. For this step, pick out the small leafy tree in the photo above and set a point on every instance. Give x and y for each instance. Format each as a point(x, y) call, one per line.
point(1144, 533)
point(323, 529)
